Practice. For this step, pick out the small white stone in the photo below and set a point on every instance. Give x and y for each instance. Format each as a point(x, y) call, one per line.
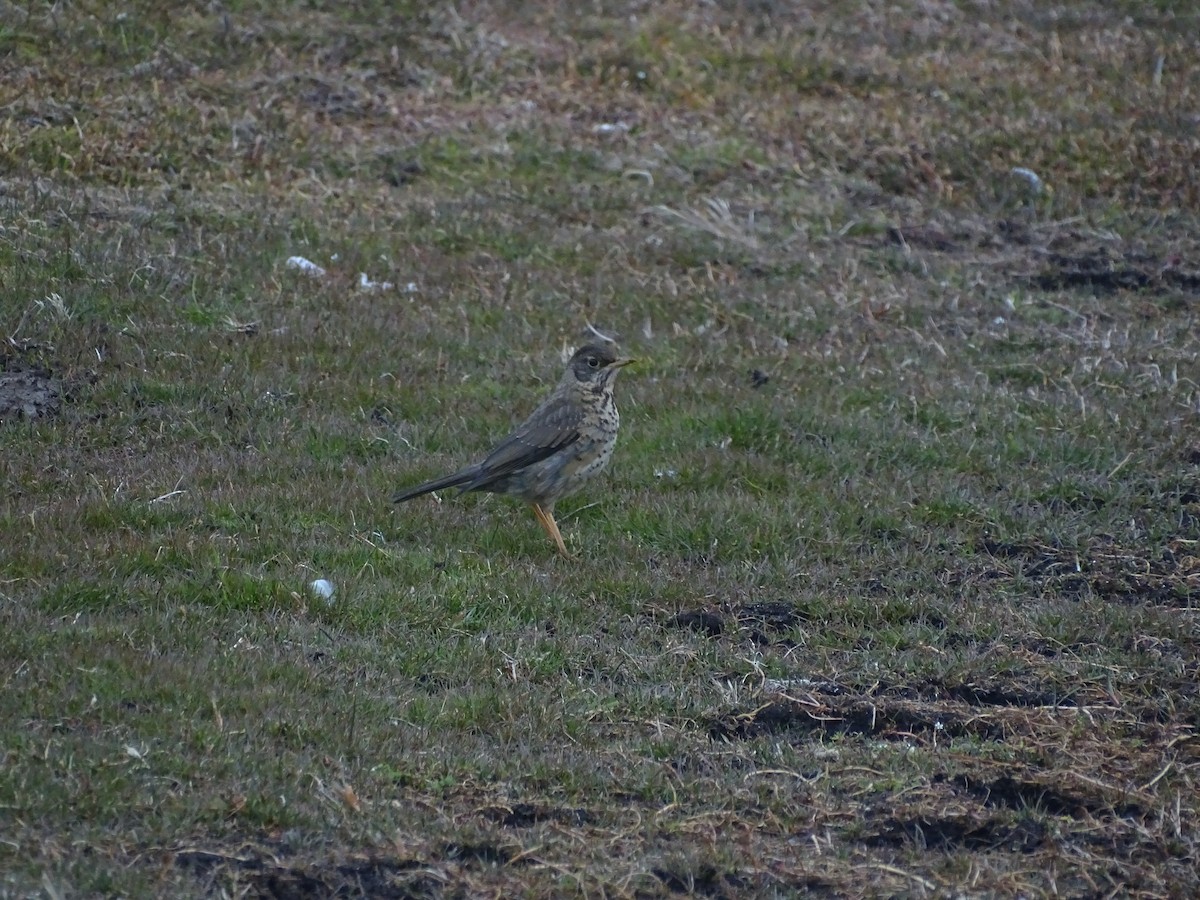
point(322, 589)
point(366, 284)
point(307, 266)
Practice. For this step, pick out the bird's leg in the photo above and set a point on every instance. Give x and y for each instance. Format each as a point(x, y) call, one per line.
point(546, 518)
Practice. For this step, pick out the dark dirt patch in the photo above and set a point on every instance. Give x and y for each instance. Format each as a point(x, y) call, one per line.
point(960, 833)
point(1104, 273)
point(763, 620)
point(775, 616)
point(274, 878)
point(478, 853)
point(525, 815)
point(994, 694)
point(1020, 794)
point(1167, 577)
point(703, 881)
point(929, 710)
point(897, 720)
point(1066, 261)
point(703, 621)
point(1038, 561)
point(28, 392)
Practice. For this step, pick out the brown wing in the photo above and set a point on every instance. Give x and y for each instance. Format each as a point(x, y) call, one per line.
point(550, 428)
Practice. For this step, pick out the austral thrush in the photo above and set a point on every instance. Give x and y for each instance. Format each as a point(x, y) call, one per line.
point(565, 441)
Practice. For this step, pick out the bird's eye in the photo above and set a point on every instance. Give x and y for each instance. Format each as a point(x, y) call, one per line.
point(593, 363)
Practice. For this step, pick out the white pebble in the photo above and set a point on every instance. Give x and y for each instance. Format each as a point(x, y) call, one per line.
point(322, 589)
point(307, 266)
point(368, 285)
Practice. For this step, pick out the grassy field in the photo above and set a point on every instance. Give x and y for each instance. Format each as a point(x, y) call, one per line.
point(893, 586)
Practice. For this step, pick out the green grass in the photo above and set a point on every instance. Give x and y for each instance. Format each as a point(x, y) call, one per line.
point(914, 615)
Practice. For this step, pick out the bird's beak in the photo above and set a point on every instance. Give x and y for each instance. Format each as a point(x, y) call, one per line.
point(618, 363)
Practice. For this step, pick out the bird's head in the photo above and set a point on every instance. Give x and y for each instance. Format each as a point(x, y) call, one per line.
point(595, 365)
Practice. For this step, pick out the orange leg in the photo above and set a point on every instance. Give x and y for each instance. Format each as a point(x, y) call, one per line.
point(546, 519)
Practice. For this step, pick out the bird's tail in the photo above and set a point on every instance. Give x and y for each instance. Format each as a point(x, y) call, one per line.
point(458, 479)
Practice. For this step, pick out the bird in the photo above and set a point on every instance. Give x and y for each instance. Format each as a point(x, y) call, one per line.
point(566, 441)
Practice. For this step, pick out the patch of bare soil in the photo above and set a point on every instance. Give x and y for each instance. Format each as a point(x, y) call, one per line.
point(273, 876)
point(1080, 774)
point(1169, 577)
point(272, 871)
point(764, 621)
point(525, 815)
point(1106, 272)
point(1051, 257)
point(801, 709)
point(27, 391)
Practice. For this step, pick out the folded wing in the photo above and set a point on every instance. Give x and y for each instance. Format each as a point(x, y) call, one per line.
point(551, 428)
